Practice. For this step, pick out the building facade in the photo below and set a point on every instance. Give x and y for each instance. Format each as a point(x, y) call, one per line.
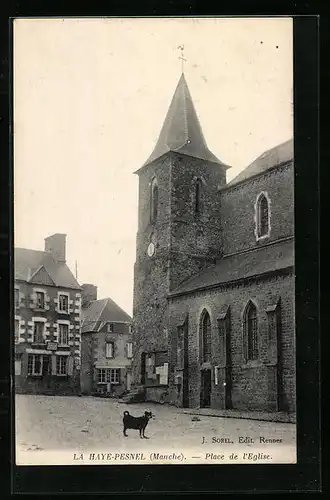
point(47, 303)
point(106, 347)
point(213, 314)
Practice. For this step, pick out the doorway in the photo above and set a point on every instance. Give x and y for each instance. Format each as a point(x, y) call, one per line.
point(205, 401)
point(46, 370)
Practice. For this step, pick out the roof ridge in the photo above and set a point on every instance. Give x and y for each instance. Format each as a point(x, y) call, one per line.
point(273, 157)
point(99, 315)
point(105, 303)
point(30, 249)
point(119, 307)
point(28, 263)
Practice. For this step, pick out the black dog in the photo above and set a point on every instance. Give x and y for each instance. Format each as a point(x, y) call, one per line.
point(139, 423)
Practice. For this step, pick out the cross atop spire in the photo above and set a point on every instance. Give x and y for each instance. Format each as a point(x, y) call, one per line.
point(183, 60)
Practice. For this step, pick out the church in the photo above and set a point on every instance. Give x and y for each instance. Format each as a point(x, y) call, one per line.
point(213, 307)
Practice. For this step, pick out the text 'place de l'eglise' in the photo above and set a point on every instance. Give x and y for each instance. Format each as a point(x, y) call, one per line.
point(213, 307)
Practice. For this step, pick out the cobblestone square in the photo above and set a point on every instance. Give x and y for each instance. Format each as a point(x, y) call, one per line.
point(82, 430)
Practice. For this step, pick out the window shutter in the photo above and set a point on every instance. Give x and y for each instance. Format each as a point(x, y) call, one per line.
point(70, 365)
point(129, 350)
point(33, 298)
point(47, 301)
point(53, 364)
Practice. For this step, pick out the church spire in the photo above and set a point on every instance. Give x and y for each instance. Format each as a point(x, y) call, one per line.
point(181, 131)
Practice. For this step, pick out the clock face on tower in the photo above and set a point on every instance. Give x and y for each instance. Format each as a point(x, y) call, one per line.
point(151, 249)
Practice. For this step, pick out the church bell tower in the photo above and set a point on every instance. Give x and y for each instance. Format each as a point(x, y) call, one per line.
point(179, 231)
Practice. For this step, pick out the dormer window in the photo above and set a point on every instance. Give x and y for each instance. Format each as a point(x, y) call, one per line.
point(154, 201)
point(110, 327)
point(262, 216)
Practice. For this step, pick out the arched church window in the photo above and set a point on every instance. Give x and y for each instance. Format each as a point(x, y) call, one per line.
point(251, 332)
point(206, 337)
point(154, 201)
point(198, 196)
point(262, 216)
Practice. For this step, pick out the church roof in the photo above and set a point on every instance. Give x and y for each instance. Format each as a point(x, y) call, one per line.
point(101, 311)
point(278, 155)
point(28, 262)
point(181, 131)
point(268, 258)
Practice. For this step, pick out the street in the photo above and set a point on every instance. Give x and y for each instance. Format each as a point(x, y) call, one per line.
point(79, 430)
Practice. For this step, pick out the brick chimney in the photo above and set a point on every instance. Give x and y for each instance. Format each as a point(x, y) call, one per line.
point(55, 245)
point(89, 293)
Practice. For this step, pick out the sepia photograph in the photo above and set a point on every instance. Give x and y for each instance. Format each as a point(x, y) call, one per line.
point(154, 268)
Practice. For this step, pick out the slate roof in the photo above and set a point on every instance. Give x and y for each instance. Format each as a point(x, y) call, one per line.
point(181, 131)
point(100, 311)
point(278, 155)
point(27, 262)
point(267, 258)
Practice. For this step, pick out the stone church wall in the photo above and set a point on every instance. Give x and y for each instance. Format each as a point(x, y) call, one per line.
point(250, 390)
point(238, 209)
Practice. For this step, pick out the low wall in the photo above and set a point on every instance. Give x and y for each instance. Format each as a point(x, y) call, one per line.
point(157, 394)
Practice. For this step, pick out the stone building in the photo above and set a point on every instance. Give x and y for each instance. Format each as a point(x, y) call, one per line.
point(47, 303)
point(106, 346)
point(213, 313)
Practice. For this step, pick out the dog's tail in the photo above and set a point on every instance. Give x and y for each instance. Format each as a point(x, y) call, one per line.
point(126, 413)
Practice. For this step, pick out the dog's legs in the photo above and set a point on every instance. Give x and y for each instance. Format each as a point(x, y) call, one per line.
point(125, 432)
point(145, 437)
point(141, 434)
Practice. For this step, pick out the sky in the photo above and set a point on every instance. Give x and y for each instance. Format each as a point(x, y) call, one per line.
point(90, 97)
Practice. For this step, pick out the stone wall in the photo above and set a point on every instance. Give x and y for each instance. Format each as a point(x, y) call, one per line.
point(25, 312)
point(93, 352)
point(238, 208)
point(184, 243)
point(250, 390)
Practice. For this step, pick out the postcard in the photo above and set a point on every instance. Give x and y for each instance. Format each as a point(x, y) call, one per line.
point(154, 241)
